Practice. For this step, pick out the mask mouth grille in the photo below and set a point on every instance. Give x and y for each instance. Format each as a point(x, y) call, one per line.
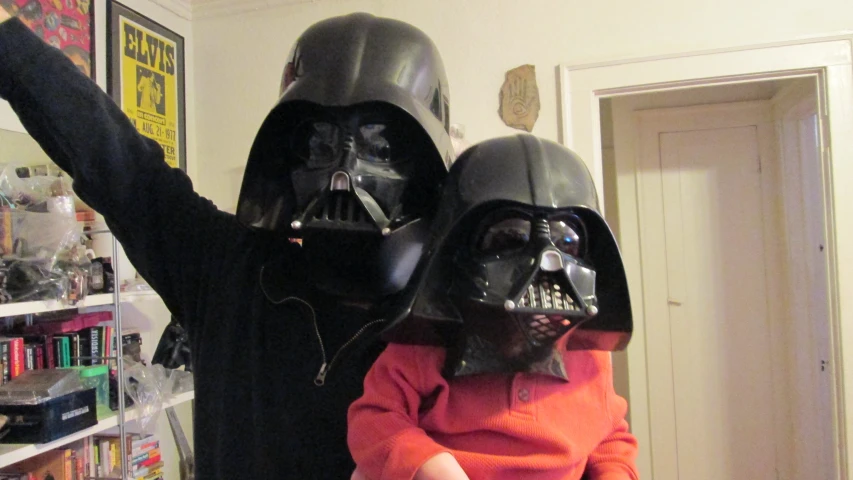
point(545, 308)
point(546, 292)
point(341, 208)
point(546, 328)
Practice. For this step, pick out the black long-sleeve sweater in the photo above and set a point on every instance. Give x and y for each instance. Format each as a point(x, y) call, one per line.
point(259, 413)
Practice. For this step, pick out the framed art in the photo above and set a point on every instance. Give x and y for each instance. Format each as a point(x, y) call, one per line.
point(66, 24)
point(145, 77)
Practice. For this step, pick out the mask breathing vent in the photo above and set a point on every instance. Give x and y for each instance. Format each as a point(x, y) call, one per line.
point(342, 206)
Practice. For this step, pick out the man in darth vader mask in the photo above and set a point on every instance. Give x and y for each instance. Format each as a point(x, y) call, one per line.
point(349, 160)
point(499, 347)
point(352, 157)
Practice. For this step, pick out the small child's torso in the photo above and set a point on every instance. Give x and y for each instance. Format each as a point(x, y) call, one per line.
point(529, 422)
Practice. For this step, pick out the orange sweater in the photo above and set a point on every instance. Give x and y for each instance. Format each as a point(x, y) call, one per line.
point(496, 426)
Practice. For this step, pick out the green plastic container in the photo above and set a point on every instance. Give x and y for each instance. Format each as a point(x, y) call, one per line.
point(97, 377)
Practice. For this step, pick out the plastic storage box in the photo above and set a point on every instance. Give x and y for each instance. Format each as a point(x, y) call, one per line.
point(97, 377)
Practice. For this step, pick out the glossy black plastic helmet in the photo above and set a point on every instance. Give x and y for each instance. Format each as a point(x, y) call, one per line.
point(352, 157)
point(520, 258)
point(352, 63)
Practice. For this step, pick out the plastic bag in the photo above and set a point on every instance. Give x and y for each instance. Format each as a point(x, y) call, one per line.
point(151, 387)
point(34, 387)
point(40, 239)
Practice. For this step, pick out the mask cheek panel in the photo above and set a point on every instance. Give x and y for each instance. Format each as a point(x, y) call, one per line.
point(583, 282)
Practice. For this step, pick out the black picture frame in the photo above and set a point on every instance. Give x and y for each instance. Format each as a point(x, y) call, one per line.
point(158, 57)
point(59, 25)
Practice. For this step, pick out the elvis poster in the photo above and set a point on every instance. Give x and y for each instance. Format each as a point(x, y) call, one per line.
point(147, 80)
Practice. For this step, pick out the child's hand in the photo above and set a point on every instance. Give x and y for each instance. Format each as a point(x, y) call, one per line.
point(441, 467)
point(357, 475)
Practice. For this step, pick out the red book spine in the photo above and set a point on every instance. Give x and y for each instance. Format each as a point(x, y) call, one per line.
point(16, 356)
point(39, 357)
point(48, 349)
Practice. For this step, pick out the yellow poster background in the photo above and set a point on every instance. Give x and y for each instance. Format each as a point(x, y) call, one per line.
point(149, 86)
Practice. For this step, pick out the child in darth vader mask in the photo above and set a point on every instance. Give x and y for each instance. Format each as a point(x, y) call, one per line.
point(498, 366)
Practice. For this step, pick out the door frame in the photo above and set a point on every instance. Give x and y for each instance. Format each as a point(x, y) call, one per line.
point(583, 86)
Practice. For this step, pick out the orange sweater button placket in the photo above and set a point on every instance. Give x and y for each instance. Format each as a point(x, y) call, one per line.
point(522, 394)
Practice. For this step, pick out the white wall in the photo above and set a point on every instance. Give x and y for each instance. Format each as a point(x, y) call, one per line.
point(238, 58)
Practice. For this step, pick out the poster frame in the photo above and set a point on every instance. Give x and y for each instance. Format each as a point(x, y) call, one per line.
point(116, 11)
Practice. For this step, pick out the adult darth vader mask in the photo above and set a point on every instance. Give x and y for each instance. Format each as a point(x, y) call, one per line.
point(352, 157)
point(521, 264)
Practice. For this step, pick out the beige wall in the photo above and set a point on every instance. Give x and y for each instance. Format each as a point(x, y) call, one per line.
point(238, 58)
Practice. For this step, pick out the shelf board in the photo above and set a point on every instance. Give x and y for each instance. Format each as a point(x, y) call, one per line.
point(138, 295)
point(13, 453)
point(24, 308)
point(97, 300)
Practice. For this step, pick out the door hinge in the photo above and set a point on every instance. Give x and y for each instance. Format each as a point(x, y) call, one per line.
point(824, 364)
point(759, 164)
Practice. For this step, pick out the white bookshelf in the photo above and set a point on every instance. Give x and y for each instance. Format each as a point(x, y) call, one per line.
point(14, 453)
point(24, 308)
point(98, 300)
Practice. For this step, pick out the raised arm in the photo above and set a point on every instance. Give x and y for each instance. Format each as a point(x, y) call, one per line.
point(166, 229)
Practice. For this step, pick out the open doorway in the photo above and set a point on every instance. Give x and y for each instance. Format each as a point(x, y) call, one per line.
point(723, 175)
point(728, 193)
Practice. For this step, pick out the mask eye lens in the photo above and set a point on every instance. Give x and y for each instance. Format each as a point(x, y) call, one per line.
point(565, 236)
point(318, 144)
point(323, 144)
point(504, 236)
point(374, 145)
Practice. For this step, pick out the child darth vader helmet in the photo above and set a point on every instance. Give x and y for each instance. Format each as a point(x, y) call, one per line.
point(521, 261)
point(352, 156)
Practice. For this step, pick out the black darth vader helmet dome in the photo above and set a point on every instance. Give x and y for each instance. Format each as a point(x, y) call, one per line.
point(352, 156)
point(519, 258)
point(347, 77)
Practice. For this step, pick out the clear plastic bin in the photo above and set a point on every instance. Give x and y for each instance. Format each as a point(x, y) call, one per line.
point(97, 377)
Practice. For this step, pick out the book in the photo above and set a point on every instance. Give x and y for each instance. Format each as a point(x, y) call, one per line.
point(29, 357)
point(16, 357)
point(4, 357)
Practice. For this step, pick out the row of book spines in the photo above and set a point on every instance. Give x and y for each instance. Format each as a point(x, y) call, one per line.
point(144, 457)
point(82, 460)
point(60, 464)
point(104, 453)
point(18, 354)
point(108, 452)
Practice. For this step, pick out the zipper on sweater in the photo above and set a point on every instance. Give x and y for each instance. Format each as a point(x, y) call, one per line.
point(325, 368)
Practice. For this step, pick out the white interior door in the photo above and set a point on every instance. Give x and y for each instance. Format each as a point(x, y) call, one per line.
point(722, 368)
point(710, 291)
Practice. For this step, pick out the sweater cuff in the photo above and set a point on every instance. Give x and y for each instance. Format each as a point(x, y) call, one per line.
point(411, 451)
point(19, 47)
